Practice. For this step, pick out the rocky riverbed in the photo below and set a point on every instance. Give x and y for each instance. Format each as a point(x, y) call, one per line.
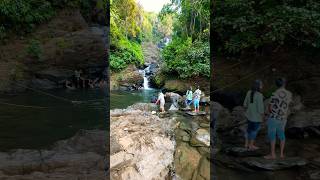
point(147, 145)
point(80, 157)
point(302, 148)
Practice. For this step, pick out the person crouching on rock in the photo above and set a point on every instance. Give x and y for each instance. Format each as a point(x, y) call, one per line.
point(174, 99)
point(254, 113)
point(196, 99)
point(188, 98)
point(161, 101)
point(277, 119)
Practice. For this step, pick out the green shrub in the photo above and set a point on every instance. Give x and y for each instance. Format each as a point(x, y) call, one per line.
point(34, 49)
point(23, 15)
point(245, 25)
point(187, 58)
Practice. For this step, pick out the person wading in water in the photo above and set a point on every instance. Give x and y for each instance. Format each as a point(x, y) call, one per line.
point(161, 100)
point(254, 113)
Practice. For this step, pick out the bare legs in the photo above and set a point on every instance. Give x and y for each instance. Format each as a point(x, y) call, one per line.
point(272, 155)
point(282, 145)
point(250, 144)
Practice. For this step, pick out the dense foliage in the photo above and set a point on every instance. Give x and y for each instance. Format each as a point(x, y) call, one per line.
point(250, 25)
point(187, 58)
point(188, 53)
point(129, 26)
point(22, 16)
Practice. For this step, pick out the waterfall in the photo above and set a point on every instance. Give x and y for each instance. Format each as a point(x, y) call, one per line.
point(145, 78)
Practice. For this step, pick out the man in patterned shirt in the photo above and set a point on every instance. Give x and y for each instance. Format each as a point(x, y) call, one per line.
point(277, 119)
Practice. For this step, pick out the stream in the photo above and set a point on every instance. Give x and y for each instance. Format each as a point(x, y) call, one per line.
point(34, 128)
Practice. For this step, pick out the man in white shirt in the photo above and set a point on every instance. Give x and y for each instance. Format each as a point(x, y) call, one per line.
point(161, 100)
point(278, 113)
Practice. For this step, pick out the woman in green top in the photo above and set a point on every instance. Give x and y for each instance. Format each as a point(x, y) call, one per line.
point(189, 97)
point(254, 113)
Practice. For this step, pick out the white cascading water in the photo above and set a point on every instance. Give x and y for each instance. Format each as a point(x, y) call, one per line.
point(145, 78)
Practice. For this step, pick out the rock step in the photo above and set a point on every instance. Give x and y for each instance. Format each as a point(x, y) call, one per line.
point(243, 152)
point(277, 164)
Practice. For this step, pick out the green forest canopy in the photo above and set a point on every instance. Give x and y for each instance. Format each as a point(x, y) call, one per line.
point(129, 26)
point(185, 22)
point(22, 16)
point(188, 54)
point(249, 25)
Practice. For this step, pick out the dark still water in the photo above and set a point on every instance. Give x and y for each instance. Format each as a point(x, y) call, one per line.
point(34, 127)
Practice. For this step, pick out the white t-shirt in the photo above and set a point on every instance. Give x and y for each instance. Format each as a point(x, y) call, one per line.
point(197, 94)
point(161, 98)
point(280, 101)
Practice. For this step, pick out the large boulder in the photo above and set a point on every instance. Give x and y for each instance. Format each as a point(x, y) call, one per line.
point(128, 79)
point(201, 138)
point(187, 160)
point(78, 157)
point(222, 116)
point(145, 148)
point(304, 123)
point(54, 74)
point(203, 172)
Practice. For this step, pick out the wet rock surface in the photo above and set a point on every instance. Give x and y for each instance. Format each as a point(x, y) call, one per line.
point(278, 164)
point(80, 157)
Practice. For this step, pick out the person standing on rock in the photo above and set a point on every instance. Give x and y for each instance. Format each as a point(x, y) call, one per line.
point(277, 119)
point(254, 113)
point(189, 98)
point(161, 101)
point(196, 99)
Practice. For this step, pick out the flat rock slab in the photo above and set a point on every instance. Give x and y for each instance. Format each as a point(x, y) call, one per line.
point(277, 164)
point(201, 113)
point(243, 152)
point(185, 109)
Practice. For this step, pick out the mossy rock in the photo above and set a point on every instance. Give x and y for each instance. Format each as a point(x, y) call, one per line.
point(158, 80)
point(176, 85)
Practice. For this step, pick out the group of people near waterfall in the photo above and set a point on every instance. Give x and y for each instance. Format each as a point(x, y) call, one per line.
point(78, 80)
point(191, 97)
point(275, 115)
